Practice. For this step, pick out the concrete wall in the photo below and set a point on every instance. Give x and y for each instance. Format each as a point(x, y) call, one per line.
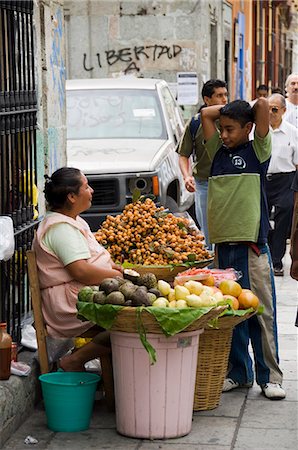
point(145, 38)
point(50, 82)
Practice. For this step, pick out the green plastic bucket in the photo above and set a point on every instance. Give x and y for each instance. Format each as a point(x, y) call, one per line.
point(68, 399)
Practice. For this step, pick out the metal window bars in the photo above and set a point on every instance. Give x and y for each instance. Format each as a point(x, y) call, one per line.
point(18, 154)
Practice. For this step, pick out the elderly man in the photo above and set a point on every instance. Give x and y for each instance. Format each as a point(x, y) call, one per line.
point(291, 114)
point(280, 175)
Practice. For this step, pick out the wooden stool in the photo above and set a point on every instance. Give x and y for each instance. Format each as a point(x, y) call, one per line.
point(41, 334)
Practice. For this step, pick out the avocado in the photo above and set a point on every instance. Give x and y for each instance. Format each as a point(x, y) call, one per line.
point(99, 297)
point(140, 297)
point(152, 297)
point(149, 280)
point(131, 275)
point(127, 289)
point(143, 288)
point(155, 291)
point(109, 285)
point(120, 280)
point(115, 298)
point(128, 303)
point(86, 294)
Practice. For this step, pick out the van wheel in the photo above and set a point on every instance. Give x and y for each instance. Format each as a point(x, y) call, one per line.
point(171, 204)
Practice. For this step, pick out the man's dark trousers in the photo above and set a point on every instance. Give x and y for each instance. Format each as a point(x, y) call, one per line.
point(279, 195)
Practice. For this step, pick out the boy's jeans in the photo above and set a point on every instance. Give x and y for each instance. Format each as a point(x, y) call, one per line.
point(201, 195)
point(257, 275)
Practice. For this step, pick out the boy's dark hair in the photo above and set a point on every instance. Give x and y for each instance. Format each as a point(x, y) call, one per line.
point(238, 110)
point(262, 87)
point(63, 181)
point(210, 85)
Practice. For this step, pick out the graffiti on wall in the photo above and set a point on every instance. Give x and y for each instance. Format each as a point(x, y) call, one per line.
point(56, 58)
point(132, 56)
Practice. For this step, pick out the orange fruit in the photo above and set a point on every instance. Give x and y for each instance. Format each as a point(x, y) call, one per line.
point(247, 299)
point(210, 281)
point(235, 303)
point(230, 287)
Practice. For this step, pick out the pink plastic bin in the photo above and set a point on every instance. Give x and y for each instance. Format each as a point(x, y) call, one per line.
point(154, 401)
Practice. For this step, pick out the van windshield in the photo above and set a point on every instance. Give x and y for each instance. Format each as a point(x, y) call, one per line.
point(114, 114)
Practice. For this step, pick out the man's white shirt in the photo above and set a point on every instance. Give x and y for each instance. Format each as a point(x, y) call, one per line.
point(291, 114)
point(284, 157)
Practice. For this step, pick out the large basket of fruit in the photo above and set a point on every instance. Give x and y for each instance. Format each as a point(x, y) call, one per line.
point(215, 345)
point(150, 239)
point(140, 302)
point(130, 319)
point(213, 358)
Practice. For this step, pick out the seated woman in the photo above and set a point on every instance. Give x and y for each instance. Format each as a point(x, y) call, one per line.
point(69, 257)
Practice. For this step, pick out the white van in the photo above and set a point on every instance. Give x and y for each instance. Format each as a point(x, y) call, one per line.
point(123, 133)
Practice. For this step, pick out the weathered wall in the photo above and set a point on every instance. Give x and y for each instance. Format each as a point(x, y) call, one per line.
point(145, 38)
point(50, 77)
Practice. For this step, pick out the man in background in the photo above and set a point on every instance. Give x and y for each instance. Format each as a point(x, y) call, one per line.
point(292, 99)
point(279, 179)
point(262, 91)
point(277, 90)
point(214, 92)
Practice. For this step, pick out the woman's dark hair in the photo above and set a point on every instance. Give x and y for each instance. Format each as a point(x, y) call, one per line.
point(63, 181)
point(238, 110)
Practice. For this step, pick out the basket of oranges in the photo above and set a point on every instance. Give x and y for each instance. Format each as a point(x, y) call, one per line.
point(215, 345)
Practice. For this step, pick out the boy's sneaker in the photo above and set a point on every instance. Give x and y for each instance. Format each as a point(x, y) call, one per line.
point(230, 384)
point(273, 391)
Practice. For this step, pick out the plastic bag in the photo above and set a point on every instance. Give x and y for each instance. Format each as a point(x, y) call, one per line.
point(202, 274)
point(93, 365)
point(57, 347)
point(19, 368)
point(192, 224)
point(7, 244)
point(29, 337)
point(30, 440)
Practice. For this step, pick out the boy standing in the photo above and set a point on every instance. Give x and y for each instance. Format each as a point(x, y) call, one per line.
point(238, 224)
point(214, 92)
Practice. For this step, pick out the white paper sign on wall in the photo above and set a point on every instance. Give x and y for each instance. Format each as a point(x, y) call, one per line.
point(187, 88)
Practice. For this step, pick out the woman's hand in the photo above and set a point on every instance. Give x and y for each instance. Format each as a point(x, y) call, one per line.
point(89, 274)
point(117, 267)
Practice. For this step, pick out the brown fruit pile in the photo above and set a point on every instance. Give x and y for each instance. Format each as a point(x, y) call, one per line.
point(144, 234)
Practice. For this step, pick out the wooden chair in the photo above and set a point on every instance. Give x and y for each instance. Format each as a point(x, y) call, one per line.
point(41, 334)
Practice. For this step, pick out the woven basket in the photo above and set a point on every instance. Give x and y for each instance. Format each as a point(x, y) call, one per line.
point(126, 321)
point(213, 358)
point(167, 273)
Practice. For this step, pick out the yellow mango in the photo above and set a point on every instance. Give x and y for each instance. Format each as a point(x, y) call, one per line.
point(163, 287)
point(181, 292)
point(171, 295)
point(194, 287)
point(181, 304)
point(172, 304)
point(160, 302)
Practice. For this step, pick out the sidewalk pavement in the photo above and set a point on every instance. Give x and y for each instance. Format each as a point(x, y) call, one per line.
point(245, 419)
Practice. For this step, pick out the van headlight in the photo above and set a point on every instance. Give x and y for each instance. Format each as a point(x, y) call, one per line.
point(146, 185)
